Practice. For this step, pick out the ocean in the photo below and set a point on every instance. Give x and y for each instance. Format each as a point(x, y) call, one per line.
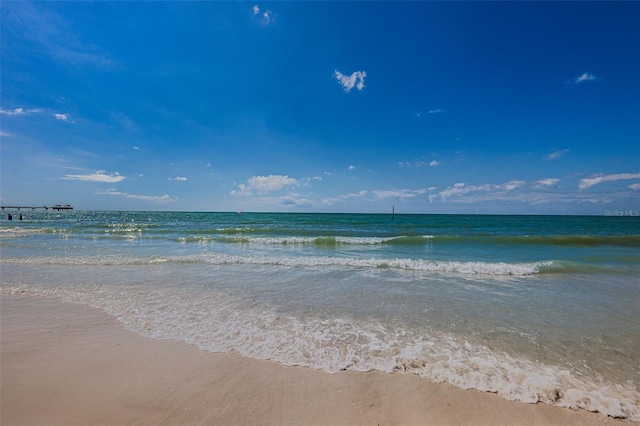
point(533, 308)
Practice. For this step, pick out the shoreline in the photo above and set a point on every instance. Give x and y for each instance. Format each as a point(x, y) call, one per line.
point(64, 363)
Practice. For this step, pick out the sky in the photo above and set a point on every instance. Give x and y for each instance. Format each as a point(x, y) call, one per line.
point(421, 107)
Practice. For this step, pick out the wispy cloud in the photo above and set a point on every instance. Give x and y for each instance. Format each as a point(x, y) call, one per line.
point(458, 191)
point(589, 182)
point(291, 201)
point(356, 80)
point(53, 34)
point(18, 111)
point(179, 179)
point(22, 111)
point(398, 193)
point(556, 154)
point(583, 78)
point(546, 183)
point(352, 168)
point(309, 180)
point(635, 186)
point(265, 184)
point(98, 176)
point(155, 198)
point(431, 112)
point(377, 194)
point(418, 164)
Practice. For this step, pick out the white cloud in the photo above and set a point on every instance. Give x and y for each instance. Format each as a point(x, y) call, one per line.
point(16, 111)
point(62, 117)
point(356, 79)
point(458, 190)
point(155, 198)
point(377, 195)
point(352, 167)
point(307, 181)
point(297, 202)
point(332, 200)
point(587, 76)
point(635, 186)
point(511, 185)
point(556, 154)
point(546, 183)
point(98, 176)
point(265, 184)
point(179, 179)
point(398, 193)
point(136, 148)
point(266, 16)
point(589, 182)
point(418, 164)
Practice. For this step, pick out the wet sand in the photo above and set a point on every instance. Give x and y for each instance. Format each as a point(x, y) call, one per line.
point(65, 364)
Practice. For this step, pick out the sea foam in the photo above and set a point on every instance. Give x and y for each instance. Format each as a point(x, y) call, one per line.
point(223, 322)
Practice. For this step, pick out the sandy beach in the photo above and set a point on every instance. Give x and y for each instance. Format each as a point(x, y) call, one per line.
point(69, 364)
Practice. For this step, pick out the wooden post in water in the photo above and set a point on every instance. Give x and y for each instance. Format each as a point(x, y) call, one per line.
point(393, 212)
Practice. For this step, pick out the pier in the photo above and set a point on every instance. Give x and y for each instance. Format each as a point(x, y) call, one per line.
point(57, 207)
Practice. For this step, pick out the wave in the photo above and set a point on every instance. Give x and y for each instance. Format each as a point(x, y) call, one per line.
point(323, 241)
point(417, 265)
point(242, 236)
point(20, 232)
point(222, 322)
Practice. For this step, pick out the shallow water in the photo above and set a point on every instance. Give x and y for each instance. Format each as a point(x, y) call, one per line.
point(535, 308)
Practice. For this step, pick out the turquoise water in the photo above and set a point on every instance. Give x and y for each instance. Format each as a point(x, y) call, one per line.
point(535, 308)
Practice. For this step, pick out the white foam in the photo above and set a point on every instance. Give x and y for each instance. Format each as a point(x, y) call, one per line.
point(20, 232)
point(419, 265)
point(223, 322)
point(422, 265)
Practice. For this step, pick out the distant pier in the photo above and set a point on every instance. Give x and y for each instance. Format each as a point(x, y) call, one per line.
point(57, 207)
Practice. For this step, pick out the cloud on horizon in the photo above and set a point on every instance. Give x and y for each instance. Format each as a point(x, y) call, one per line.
point(155, 198)
point(265, 184)
point(459, 190)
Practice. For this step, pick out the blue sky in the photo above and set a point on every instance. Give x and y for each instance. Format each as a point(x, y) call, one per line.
point(431, 107)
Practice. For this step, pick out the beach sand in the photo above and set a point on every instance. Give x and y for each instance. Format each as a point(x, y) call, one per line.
point(66, 364)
